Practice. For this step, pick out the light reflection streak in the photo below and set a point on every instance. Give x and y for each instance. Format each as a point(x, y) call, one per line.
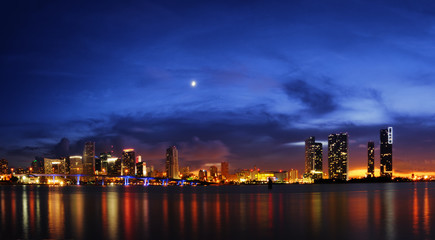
point(104, 212)
point(316, 209)
point(3, 206)
point(194, 207)
point(112, 213)
point(218, 215)
point(426, 212)
point(165, 213)
point(389, 209)
point(32, 210)
point(55, 214)
point(181, 224)
point(145, 214)
point(127, 215)
point(25, 202)
point(415, 214)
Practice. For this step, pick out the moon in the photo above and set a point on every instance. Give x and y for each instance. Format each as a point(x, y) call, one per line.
point(193, 83)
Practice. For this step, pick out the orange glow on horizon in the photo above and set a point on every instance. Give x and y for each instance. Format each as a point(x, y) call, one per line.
point(128, 150)
point(361, 173)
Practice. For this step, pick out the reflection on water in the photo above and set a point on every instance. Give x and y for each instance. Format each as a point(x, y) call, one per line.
point(347, 211)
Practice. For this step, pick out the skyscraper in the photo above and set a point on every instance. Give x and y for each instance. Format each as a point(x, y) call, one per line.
point(313, 158)
point(89, 158)
point(128, 162)
point(224, 169)
point(202, 175)
point(76, 165)
point(338, 156)
point(371, 159)
point(4, 168)
point(213, 171)
point(386, 137)
point(172, 163)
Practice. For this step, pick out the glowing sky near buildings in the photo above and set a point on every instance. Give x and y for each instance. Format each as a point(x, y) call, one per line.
point(271, 74)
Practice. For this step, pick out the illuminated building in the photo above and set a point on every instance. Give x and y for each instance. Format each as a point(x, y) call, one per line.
point(224, 169)
point(264, 176)
point(38, 165)
point(172, 163)
point(313, 158)
point(386, 146)
point(113, 166)
point(141, 169)
point(4, 167)
point(185, 172)
point(371, 159)
point(213, 172)
point(202, 175)
point(54, 166)
point(293, 175)
point(281, 176)
point(128, 162)
point(338, 156)
point(89, 158)
point(75, 165)
point(150, 171)
point(102, 164)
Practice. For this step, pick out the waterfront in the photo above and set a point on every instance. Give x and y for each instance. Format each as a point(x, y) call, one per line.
point(330, 211)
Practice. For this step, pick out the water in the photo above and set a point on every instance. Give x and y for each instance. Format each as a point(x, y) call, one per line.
point(341, 211)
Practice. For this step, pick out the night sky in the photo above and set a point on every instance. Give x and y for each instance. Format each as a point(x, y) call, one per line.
point(269, 75)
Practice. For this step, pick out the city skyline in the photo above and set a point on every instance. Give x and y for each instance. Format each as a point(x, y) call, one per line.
point(224, 81)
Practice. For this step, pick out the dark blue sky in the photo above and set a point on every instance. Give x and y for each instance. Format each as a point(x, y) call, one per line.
point(269, 74)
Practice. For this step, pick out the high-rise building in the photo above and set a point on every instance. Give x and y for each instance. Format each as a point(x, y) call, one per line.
point(141, 169)
point(54, 166)
point(313, 158)
point(202, 175)
point(75, 165)
point(89, 158)
point(224, 169)
point(128, 162)
point(213, 171)
point(386, 167)
point(4, 168)
point(338, 156)
point(172, 163)
point(113, 166)
point(293, 175)
point(102, 165)
point(371, 159)
point(38, 165)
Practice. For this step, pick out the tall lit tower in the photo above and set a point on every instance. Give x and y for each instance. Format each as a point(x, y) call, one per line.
point(172, 163)
point(89, 158)
point(224, 169)
point(338, 156)
point(128, 162)
point(371, 159)
point(386, 137)
point(313, 158)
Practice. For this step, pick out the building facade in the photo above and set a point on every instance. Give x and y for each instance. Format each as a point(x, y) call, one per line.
point(224, 169)
point(4, 167)
point(76, 165)
point(313, 159)
point(213, 172)
point(202, 175)
point(371, 159)
point(338, 156)
point(172, 170)
point(89, 158)
point(54, 166)
point(128, 162)
point(386, 147)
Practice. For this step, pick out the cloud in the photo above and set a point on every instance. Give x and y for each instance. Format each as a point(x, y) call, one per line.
point(317, 101)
